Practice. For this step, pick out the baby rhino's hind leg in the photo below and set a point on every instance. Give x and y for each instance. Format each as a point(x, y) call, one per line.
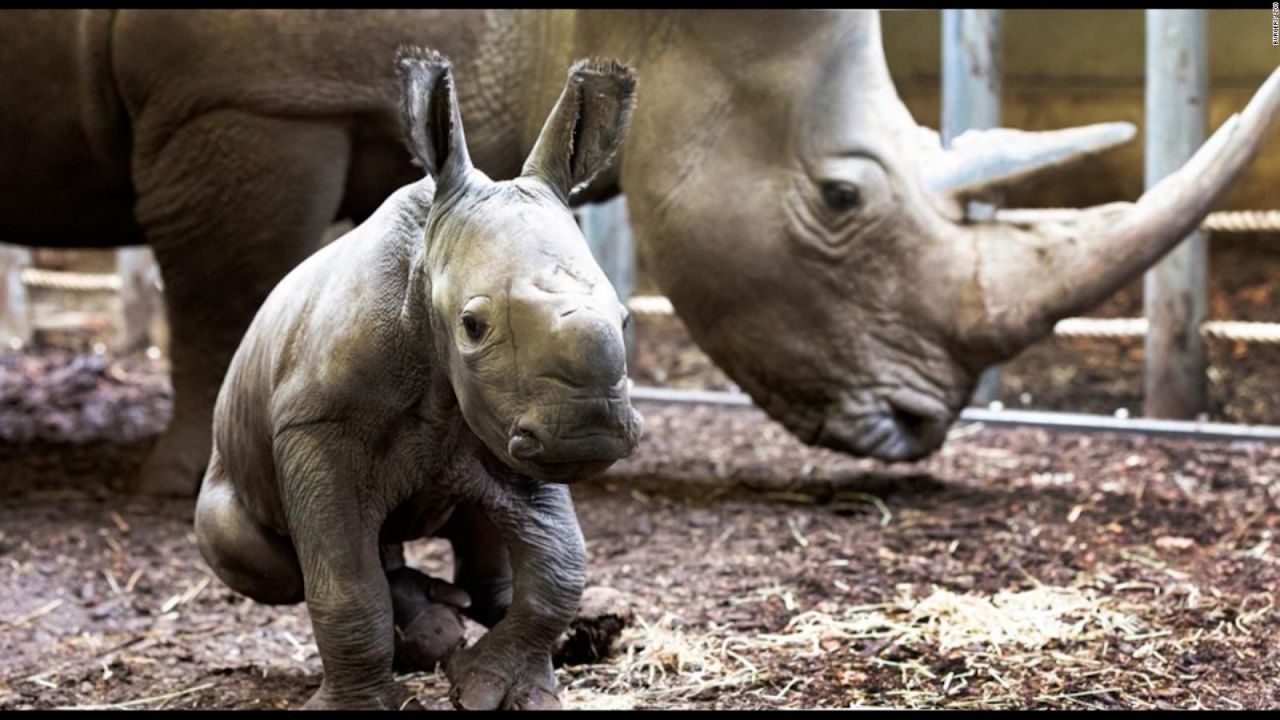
point(251, 559)
point(428, 622)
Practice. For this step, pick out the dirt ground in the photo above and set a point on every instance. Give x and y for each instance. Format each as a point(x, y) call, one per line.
point(1015, 568)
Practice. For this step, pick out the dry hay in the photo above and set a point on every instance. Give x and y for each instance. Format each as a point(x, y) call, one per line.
point(659, 663)
point(1037, 647)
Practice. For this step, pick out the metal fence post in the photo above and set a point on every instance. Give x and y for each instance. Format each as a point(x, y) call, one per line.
point(607, 228)
point(1174, 296)
point(15, 312)
point(141, 301)
point(972, 77)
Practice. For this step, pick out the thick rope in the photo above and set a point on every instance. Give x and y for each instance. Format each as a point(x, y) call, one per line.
point(71, 281)
point(1248, 332)
point(1255, 221)
point(1234, 221)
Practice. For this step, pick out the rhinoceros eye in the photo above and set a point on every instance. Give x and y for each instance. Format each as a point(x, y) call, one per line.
point(473, 326)
point(840, 196)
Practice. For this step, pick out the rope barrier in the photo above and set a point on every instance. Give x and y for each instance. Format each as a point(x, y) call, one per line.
point(1220, 222)
point(1232, 221)
point(1243, 221)
point(71, 281)
point(650, 305)
point(1249, 332)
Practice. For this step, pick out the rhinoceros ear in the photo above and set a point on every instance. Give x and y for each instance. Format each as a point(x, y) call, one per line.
point(429, 112)
point(586, 127)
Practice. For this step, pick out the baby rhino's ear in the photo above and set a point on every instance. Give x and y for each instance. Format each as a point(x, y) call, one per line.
point(586, 127)
point(429, 112)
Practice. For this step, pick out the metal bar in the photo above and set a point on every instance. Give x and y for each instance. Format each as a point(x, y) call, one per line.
point(1080, 422)
point(15, 313)
point(141, 302)
point(1174, 291)
point(694, 397)
point(607, 229)
point(1069, 422)
point(972, 76)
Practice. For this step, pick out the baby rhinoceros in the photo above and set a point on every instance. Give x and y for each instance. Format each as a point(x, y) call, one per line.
point(444, 369)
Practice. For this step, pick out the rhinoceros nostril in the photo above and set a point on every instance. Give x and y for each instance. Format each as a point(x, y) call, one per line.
point(524, 445)
point(922, 428)
point(913, 424)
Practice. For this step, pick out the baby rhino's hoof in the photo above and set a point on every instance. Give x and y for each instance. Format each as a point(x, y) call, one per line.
point(428, 620)
point(429, 638)
point(497, 675)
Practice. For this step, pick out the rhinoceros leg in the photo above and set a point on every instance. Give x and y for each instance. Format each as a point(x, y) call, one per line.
point(334, 525)
point(482, 567)
point(510, 667)
point(230, 202)
point(481, 564)
point(426, 611)
point(250, 558)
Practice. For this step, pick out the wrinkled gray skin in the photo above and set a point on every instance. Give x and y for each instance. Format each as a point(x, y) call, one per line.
point(807, 230)
point(443, 369)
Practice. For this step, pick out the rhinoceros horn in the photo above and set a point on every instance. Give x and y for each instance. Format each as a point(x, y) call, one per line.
point(982, 160)
point(1036, 273)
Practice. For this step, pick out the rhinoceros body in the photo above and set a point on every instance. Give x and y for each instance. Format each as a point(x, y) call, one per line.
point(809, 233)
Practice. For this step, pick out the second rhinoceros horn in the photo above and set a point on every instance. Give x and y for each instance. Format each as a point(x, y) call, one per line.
point(1046, 271)
point(980, 160)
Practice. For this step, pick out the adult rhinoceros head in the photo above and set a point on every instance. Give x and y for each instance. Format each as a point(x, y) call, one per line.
point(811, 235)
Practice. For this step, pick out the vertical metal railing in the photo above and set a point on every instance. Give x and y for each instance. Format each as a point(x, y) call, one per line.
point(1174, 292)
point(142, 318)
point(15, 315)
point(972, 80)
point(607, 228)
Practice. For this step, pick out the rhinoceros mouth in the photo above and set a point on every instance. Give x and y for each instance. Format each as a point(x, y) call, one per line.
point(578, 455)
point(570, 471)
point(897, 426)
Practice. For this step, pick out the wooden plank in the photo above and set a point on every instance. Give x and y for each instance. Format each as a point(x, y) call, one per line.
point(1174, 294)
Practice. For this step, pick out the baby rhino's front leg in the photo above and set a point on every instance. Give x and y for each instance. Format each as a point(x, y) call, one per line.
point(335, 534)
point(510, 667)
